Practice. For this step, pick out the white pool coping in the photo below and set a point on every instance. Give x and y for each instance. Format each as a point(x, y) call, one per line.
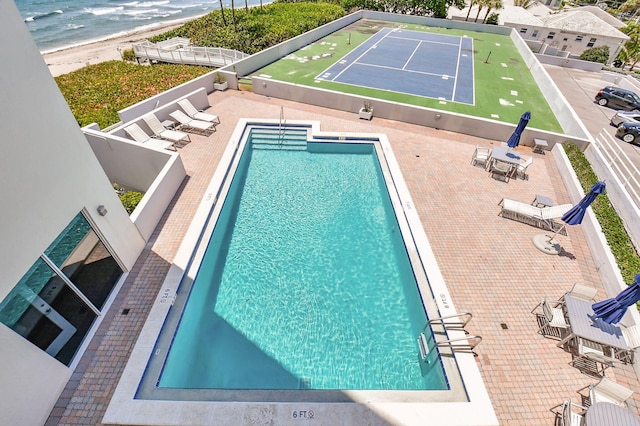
point(363, 407)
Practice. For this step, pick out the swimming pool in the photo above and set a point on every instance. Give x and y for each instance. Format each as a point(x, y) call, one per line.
point(317, 328)
point(306, 282)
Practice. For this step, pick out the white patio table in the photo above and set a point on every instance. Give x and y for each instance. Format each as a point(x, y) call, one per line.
point(608, 414)
point(585, 325)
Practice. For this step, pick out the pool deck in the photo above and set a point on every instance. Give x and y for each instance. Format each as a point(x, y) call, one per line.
point(489, 263)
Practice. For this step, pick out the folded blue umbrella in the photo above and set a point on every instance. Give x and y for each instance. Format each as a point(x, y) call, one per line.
point(575, 215)
point(612, 310)
point(514, 139)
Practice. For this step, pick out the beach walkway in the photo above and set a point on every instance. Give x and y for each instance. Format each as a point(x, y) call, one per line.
point(489, 263)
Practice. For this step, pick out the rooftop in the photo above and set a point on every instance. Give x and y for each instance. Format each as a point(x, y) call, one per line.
point(489, 263)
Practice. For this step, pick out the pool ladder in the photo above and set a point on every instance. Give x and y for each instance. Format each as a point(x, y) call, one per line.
point(467, 343)
point(281, 126)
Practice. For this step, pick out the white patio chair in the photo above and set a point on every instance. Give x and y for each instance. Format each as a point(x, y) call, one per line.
point(569, 416)
point(583, 292)
point(178, 138)
point(193, 112)
point(521, 169)
point(607, 390)
point(551, 321)
point(481, 156)
point(632, 337)
point(591, 358)
point(501, 168)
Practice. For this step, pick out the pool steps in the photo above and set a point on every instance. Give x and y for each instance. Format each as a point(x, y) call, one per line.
point(272, 139)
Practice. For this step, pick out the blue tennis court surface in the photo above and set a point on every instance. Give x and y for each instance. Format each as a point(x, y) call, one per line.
point(412, 62)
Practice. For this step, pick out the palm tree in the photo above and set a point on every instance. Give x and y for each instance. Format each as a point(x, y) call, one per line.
point(471, 3)
point(491, 5)
point(481, 4)
point(233, 16)
point(224, 20)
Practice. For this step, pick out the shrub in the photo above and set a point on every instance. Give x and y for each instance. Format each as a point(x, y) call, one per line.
point(596, 54)
point(128, 55)
point(96, 93)
point(130, 200)
point(492, 19)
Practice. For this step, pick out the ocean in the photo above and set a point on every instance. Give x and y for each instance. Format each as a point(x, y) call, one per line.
point(57, 24)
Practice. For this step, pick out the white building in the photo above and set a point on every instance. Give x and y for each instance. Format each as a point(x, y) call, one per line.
point(559, 33)
point(61, 223)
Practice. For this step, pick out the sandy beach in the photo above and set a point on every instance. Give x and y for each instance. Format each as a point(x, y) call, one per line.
point(66, 60)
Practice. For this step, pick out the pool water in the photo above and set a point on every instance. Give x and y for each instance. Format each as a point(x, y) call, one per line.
point(305, 283)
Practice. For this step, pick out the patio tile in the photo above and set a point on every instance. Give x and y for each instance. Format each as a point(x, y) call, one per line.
point(489, 263)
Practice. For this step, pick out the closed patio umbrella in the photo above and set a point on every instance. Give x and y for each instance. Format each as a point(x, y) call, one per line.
point(572, 217)
point(514, 139)
point(612, 310)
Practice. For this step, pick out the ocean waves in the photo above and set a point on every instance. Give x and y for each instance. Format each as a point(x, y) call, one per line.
point(75, 22)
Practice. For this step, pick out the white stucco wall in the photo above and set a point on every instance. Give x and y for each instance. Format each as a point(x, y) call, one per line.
point(48, 173)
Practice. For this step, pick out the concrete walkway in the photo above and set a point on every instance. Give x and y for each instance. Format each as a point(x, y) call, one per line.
point(489, 263)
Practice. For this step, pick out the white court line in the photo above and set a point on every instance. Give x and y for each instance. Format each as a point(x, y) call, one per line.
point(427, 41)
point(411, 56)
point(358, 58)
point(400, 69)
point(455, 83)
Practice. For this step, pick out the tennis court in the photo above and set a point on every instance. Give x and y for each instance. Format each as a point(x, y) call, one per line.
point(412, 62)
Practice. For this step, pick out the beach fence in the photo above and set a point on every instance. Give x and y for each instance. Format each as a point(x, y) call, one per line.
point(179, 50)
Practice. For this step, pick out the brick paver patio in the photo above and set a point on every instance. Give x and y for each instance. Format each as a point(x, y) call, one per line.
point(489, 263)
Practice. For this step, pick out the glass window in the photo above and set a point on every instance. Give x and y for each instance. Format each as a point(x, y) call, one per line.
point(592, 41)
point(534, 34)
point(80, 254)
point(44, 310)
point(55, 303)
point(551, 35)
point(523, 30)
point(578, 38)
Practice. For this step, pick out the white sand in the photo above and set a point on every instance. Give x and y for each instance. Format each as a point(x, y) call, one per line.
point(73, 58)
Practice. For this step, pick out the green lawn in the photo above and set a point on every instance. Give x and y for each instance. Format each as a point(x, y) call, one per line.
point(504, 87)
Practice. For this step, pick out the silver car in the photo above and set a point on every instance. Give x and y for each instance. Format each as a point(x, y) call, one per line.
point(625, 117)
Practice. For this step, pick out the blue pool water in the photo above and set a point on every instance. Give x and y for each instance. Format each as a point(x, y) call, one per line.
point(305, 283)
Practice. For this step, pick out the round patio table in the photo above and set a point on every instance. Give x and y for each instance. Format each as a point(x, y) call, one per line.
point(607, 414)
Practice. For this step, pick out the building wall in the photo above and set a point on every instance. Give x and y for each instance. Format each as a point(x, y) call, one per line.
point(48, 174)
point(574, 43)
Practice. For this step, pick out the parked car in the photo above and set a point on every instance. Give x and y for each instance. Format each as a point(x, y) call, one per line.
point(615, 97)
point(625, 117)
point(628, 132)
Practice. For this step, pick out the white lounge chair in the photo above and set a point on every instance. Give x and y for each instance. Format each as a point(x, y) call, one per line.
point(189, 124)
point(532, 215)
point(140, 136)
point(591, 358)
point(632, 337)
point(193, 112)
point(178, 138)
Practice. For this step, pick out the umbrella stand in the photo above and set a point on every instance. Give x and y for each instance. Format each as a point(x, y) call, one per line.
point(546, 243)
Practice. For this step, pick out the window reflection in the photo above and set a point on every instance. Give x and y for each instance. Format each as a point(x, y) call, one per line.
point(44, 309)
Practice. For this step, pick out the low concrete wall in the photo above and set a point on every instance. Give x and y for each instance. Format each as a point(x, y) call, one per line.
point(450, 121)
point(570, 63)
point(624, 204)
point(569, 120)
point(606, 264)
point(158, 174)
point(149, 211)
